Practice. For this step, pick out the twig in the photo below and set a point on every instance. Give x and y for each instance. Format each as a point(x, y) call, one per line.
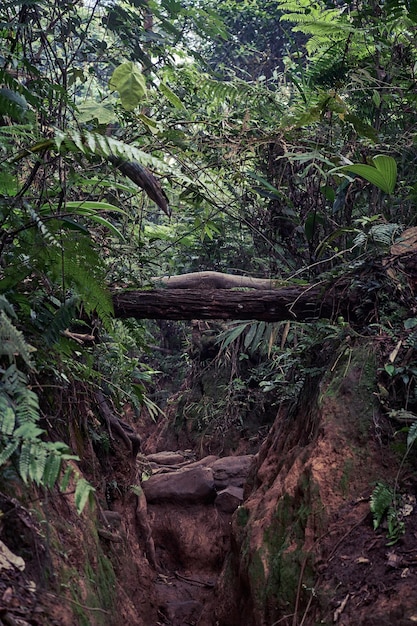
point(82, 606)
point(192, 581)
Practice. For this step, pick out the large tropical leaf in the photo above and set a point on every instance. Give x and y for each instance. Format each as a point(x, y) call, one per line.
point(129, 81)
point(383, 172)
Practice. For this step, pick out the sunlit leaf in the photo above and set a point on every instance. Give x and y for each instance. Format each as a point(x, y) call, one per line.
point(129, 81)
point(92, 110)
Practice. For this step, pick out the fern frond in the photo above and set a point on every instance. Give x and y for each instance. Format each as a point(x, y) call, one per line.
point(258, 337)
point(7, 415)
point(381, 500)
point(7, 307)
point(88, 287)
point(45, 232)
point(104, 146)
point(24, 460)
point(412, 434)
point(37, 462)
point(52, 469)
point(83, 492)
point(26, 406)
point(13, 380)
point(12, 341)
point(8, 451)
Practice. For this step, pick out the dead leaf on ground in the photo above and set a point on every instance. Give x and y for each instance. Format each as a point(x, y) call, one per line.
point(406, 243)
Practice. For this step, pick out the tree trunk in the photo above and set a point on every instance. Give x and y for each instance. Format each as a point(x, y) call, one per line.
point(269, 305)
point(211, 295)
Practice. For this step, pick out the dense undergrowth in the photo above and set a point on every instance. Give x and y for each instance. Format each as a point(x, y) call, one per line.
point(124, 156)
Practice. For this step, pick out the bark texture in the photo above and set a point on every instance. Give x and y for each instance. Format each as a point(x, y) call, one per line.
point(271, 305)
point(355, 295)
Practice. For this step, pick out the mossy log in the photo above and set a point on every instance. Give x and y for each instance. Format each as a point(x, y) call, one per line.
point(354, 295)
point(187, 304)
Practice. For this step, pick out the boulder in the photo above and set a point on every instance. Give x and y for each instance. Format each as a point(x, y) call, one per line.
point(193, 485)
point(206, 461)
point(231, 470)
point(229, 499)
point(166, 458)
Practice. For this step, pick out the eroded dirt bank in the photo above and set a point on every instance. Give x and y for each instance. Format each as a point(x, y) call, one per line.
point(299, 549)
point(304, 550)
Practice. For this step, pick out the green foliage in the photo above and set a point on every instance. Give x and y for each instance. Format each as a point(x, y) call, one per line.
point(257, 337)
point(130, 83)
point(283, 351)
point(260, 172)
point(381, 500)
point(384, 504)
point(83, 493)
point(21, 439)
point(325, 26)
point(382, 172)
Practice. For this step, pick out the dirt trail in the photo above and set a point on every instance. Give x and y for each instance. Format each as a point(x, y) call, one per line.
point(191, 535)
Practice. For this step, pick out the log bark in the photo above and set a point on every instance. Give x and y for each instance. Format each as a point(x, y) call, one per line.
point(288, 303)
point(211, 295)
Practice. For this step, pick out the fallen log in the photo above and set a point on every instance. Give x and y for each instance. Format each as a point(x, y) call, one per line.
point(304, 303)
point(354, 295)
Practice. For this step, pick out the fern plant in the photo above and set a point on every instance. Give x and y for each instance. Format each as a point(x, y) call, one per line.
point(384, 504)
point(21, 439)
point(324, 25)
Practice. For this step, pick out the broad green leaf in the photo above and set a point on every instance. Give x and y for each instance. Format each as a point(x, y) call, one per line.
point(260, 335)
point(390, 369)
point(129, 81)
point(91, 110)
point(99, 183)
point(153, 126)
point(409, 323)
point(12, 104)
point(250, 335)
point(170, 96)
point(382, 174)
point(233, 334)
point(312, 222)
point(376, 98)
point(264, 183)
point(87, 208)
point(111, 227)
